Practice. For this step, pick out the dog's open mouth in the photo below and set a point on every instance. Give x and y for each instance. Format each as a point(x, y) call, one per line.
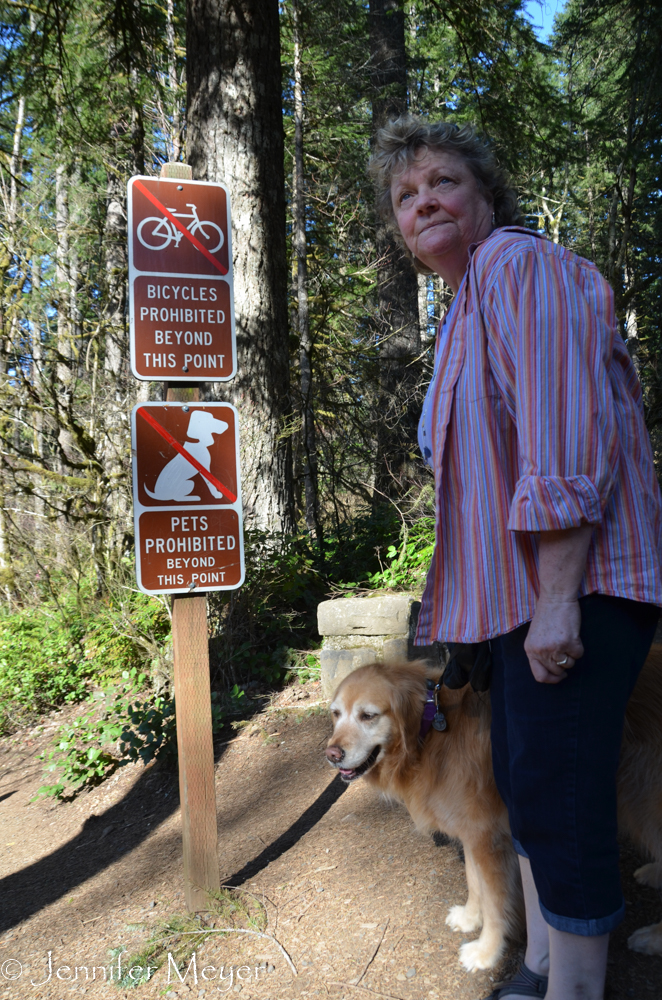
point(352, 773)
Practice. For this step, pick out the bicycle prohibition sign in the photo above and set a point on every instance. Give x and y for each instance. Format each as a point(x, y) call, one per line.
point(157, 233)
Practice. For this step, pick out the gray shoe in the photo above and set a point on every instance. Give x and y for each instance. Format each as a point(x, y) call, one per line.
point(524, 984)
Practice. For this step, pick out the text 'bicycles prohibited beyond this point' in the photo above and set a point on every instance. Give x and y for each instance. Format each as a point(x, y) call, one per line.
point(180, 281)
point(186, 497)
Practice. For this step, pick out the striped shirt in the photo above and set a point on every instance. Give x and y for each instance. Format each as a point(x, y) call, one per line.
point(536, 424)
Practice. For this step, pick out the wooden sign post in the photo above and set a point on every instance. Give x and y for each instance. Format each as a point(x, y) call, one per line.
point(187, 506)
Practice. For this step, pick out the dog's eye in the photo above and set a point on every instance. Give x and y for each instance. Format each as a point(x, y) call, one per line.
point(335, 713)
point(368, 716)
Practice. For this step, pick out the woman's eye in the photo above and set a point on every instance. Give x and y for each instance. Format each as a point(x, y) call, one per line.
point(404, 196)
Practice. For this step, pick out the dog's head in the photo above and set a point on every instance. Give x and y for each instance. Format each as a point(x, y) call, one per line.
point(377, 714)
point(203, 424)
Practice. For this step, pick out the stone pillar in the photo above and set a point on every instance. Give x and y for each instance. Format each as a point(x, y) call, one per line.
point(360, 630)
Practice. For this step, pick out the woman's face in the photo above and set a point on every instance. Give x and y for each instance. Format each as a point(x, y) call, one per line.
point(441, 211)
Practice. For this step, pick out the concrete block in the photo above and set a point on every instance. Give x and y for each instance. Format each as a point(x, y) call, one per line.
point(396, 649)
point(336, 664)
point(387, 614)
point(374, 642)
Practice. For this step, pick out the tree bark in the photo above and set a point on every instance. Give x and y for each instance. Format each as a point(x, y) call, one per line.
point(397, 285)
point(235, 134)
point(7, 581)
point(310, 477)
point(173, 83)
point(64, 326)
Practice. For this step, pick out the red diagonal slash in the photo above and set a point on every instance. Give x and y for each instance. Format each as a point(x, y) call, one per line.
point(171, 218)
point(167, 436)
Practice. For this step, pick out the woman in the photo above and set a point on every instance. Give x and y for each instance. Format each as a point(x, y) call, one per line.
point(548, 533)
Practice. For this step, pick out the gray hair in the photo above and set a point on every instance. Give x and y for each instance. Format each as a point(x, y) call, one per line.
point(395, 149)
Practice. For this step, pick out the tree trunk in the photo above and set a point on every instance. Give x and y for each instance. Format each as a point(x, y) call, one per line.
point(7, 581)
point(310, 478)
point(235, 134)
point(114, 419)
point(397, 285)
point(173, 83)
point(64, 331)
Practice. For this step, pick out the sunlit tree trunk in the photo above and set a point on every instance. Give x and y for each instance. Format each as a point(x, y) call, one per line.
point(173, 83)
point(64, 364)
point(235, 134)
point(7, 581)
point(310, 477)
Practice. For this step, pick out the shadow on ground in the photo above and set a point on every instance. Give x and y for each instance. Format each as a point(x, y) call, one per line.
point(106, 838)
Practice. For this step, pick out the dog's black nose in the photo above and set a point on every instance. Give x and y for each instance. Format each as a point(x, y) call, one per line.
point(334, 754)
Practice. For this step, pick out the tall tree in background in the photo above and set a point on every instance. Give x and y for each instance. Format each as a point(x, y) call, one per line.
point(235, 134)
point(397, 285)
point(308, 432)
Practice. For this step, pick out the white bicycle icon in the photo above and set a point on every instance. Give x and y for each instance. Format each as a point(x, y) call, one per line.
point(164, 232)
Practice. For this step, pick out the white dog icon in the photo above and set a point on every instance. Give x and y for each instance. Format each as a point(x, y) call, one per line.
point(175, 481)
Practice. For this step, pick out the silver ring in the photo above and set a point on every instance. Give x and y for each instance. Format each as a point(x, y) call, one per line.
point(561, 663)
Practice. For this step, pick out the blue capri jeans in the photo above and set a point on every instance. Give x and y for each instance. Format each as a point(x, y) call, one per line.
point(555, 751)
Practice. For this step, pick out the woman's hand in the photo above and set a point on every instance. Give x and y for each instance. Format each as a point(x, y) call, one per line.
point(554, 630)
point(554, 637)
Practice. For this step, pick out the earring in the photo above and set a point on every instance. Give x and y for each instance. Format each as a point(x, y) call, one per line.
point(493, 219)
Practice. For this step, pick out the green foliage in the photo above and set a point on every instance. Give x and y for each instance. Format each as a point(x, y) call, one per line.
point(49, 653)
point(149, 730)
point(121, 635)
point(117, 731)
point(122, 729)
point(303, 665)
point(42, 662)
point(410, 560)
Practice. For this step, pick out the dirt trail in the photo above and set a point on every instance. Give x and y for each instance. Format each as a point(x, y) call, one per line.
point(352, 892)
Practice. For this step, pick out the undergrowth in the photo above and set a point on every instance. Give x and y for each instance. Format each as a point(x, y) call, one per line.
point(124, 727)
point(49, 654)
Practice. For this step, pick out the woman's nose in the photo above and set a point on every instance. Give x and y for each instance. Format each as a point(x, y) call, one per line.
point(426, 202)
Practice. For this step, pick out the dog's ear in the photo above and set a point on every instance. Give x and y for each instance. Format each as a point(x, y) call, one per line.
point(407, 703)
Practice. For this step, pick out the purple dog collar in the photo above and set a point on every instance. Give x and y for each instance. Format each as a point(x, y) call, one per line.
point(432, 716)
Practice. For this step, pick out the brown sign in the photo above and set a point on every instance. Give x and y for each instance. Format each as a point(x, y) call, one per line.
point(182, 327)
point(180, 282)
point(180, 550)
point(187, 505)
point(178, 227)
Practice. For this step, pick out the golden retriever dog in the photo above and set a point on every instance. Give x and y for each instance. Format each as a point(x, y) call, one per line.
point(445, 780)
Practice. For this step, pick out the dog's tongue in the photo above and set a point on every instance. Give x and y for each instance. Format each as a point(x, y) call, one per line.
point(347, 772)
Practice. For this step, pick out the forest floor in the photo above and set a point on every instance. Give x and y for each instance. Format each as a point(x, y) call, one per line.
point(352, 893)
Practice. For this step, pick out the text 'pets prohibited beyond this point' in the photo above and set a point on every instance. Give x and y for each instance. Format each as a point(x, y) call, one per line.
point(187, 503)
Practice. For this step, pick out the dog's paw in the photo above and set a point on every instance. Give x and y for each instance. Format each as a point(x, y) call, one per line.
point(480, 955)
point(650, 875)
point(647, 940)
point(461, 918)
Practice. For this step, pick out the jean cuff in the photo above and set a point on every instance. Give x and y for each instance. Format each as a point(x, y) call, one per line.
point(585, 928)
point(519, 849)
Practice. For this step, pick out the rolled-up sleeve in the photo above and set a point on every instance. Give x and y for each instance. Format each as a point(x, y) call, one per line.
point(550, 353)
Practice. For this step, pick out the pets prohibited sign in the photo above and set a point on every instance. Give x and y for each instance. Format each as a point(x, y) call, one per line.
point(181, 306)
point(187, 497)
